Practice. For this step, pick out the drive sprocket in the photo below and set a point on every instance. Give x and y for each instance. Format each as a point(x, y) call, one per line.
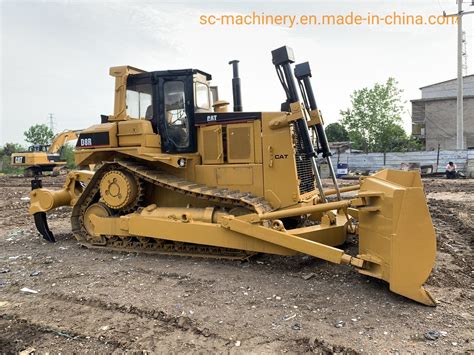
point(120, 190)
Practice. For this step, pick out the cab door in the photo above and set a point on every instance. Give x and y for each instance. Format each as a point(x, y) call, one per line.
point(176, 113)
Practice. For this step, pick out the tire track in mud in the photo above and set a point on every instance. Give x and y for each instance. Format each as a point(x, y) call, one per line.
point(112, 312)
point(31, 333)
point(125, 327)
point(169, 321)
point(128, 327)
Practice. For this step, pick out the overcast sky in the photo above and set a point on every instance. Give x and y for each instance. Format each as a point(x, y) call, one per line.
point(55, 55)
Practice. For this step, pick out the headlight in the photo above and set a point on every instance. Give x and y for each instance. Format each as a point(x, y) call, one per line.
point(181, 162)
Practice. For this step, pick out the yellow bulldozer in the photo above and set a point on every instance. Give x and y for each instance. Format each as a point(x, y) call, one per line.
point(180, 174)
point(41, 158)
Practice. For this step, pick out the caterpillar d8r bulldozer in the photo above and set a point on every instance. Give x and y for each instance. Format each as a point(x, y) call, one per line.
point(179, 174)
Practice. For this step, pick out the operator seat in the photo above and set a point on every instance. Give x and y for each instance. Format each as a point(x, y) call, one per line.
point(176, 133)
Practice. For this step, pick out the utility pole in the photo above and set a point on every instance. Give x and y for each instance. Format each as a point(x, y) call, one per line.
point(460, 105)
point(464, 54)
point(51, 122)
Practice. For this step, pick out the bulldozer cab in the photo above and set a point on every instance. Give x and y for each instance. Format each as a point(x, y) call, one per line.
point(169, 99)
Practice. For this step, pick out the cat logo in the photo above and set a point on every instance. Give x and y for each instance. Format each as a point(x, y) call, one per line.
point(281, 156)
point(19, 160)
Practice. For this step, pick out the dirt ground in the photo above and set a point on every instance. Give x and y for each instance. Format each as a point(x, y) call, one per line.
point(90, 300)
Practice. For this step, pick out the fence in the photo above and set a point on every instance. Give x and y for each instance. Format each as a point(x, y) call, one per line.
point(464, 159)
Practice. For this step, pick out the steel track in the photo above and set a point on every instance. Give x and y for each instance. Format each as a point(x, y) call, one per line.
point(159, 178)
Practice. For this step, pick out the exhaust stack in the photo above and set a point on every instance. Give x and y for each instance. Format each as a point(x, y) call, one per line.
point(236, 86)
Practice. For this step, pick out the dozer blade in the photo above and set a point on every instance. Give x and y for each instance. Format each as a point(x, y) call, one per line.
point(42, 226)
point(396, 235)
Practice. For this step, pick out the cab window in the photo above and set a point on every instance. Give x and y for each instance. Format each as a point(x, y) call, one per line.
point(202, 96)
point(176, 120)
point(139, 102)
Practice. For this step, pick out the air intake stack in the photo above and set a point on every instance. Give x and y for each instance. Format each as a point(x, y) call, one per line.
point(236, 86)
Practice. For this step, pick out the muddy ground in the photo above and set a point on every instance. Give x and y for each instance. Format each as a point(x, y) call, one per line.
point(90, 300)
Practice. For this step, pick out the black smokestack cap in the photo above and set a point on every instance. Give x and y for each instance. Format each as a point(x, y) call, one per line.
point(283, 55)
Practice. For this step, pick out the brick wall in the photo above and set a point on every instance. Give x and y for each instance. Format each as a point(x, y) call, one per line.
point(440, 123)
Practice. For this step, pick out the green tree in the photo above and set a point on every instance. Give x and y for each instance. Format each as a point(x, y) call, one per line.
point(5, 158)
point(374, 120)
point(415, 144)
point(67, 153)
point(336, 132)
point(10, 148)
point(39, 134)
point(392, 138)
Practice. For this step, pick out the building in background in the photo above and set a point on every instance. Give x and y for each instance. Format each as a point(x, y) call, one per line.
point(434, 115)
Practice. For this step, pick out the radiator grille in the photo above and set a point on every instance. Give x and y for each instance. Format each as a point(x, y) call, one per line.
point(303, 165)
